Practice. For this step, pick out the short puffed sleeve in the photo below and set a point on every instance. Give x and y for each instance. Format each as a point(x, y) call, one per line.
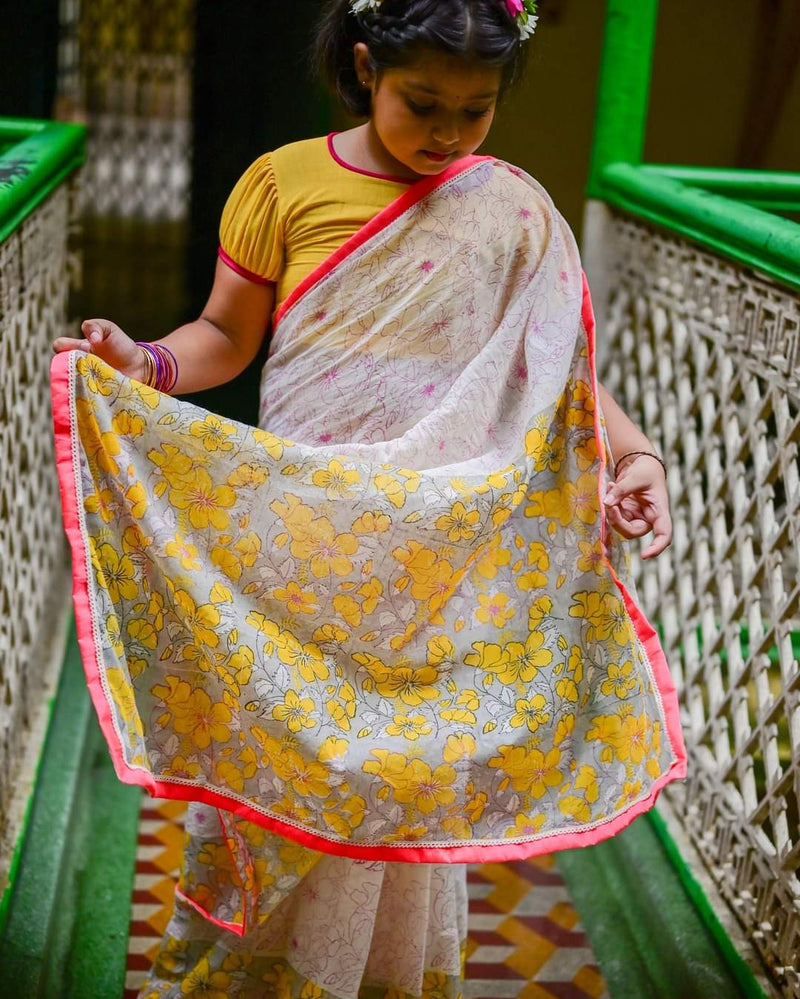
point(251, 232)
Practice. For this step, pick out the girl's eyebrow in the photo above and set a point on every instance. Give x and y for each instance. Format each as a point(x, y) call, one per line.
point(435, 93)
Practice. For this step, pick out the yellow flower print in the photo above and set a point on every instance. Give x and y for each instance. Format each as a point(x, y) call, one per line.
point(143, 632)
point(345, 817)
point(592, 557)
point(205, 502)
point(441, 652)
point(294, 854)
point(605, 615)
point(618, 679)
point(336, 480)
point(213, 432)
point(493, 557)
point(126, 423)
point(238, 669)
point(248, 547)
point(586, 453)
point(185, 552)
point(174, 464)
point(586, 781)
point(546, 454)
point(342, 713)
point(424, 788)
point(525, 826)
point(459, 523)
point(530, 713)
point(103, 502)
point(203, 983)
point(371, 590)
point(137, 500)
point(180, 767)
point(118, 572)
point(458, 826)
point(227, 562)
point(627, 737)
point(493, 608)
point(564, 728)
point(202, 720)
point(459, 747)
point(330, 635)
point(99, 376)
point(347, 607)
point(113, 633)
point(406, 834)
point(539, 559)
point(332, 749)
point(311, 991)
point(538, 611)
point(411, 684)
point(124, 698)
point(295, 712)
point(575, 807)
point(297, 601)
point(202, 620)
point(272, 445)
point(435, 985)
point(467, 703)
point(581, 397)
point(134, 542)
point(248, 476)
point(388, 766)
point(432, 577)
point(476, 806)
point(630, 792)
point(230, 775)
point(529, 770)
point(371, 522)
point(567, 686)
point(306, 658)
point(326, 550)
point(305, 776)
point(411, 727)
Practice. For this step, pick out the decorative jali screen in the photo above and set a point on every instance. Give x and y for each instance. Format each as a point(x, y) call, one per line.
point(706, 355)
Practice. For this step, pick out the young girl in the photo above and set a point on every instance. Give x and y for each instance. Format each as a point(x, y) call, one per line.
point(389, 632)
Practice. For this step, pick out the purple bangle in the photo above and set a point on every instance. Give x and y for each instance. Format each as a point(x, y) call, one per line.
point(163, 372)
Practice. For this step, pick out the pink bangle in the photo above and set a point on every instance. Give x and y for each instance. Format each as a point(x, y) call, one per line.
point(162, 367)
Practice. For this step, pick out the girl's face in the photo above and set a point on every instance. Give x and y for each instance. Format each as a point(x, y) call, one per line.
point(431, 112)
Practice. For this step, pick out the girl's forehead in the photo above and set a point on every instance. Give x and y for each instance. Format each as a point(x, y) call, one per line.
point(443, 75)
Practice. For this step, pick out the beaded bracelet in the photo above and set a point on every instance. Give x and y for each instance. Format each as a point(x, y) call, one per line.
point(629, 454)
point(161, 367)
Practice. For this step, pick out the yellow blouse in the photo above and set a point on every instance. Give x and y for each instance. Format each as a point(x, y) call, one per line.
point(292, 208)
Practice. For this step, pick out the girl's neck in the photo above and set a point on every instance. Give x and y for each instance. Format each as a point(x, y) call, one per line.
point(361, 147)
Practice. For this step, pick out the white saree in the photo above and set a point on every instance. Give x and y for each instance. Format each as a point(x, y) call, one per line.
point(390, 624)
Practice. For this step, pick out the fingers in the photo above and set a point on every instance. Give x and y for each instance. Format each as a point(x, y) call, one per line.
point(96, 330)
point(662, 536)
point(62, 343)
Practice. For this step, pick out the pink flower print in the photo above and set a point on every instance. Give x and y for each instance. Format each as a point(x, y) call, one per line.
point(320, 315)
point(331, 376)
point(563, 275)
point(521, 372)
point(442, 445)
point(525, 213)
point(426, 266)
point(324, 438)
point(429, 389)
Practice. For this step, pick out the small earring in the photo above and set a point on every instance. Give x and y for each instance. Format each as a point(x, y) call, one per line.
point(364, 83)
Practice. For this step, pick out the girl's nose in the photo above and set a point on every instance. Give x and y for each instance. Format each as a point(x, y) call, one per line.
point(446, 135)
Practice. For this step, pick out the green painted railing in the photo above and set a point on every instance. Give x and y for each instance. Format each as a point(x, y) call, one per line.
point(686, 200)
point(35, 157)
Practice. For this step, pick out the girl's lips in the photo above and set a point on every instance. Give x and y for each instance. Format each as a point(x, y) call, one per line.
point(437, 157)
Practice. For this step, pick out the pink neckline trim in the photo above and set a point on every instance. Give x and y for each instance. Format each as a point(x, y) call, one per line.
point(367, 173)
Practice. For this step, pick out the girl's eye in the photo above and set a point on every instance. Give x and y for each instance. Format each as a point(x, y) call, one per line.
point(420, 109)
point(479, 114)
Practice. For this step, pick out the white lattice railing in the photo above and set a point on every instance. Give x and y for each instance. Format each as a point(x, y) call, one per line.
point(706, 356)
point(34, 594)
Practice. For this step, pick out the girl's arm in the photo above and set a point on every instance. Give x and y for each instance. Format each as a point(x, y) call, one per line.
point(637, 501)
point(209, 351)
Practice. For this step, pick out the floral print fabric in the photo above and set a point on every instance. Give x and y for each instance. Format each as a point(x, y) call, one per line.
point(388, 622)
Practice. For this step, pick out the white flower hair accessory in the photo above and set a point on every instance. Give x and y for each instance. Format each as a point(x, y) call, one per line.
point(522, 11)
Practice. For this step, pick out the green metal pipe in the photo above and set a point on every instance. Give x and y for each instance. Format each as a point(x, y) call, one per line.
point(41, 156)
point(773, 188)
point(765, 242)
point(623, 86)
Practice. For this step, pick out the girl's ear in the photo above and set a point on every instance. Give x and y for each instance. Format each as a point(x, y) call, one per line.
point(363, 64)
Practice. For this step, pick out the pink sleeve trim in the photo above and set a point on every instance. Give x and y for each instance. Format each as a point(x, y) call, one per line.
point(245, 273)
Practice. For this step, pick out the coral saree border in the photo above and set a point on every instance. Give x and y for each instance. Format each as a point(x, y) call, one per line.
point(452, 851)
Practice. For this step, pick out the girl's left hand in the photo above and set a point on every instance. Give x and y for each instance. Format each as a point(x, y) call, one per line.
point(637, 502)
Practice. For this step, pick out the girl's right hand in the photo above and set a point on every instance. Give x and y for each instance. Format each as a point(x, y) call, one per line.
point(109, 343)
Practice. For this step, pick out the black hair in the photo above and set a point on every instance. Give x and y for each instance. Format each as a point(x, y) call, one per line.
point(396, 30)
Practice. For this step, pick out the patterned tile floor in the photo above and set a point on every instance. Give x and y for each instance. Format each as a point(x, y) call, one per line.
point(525, 938)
